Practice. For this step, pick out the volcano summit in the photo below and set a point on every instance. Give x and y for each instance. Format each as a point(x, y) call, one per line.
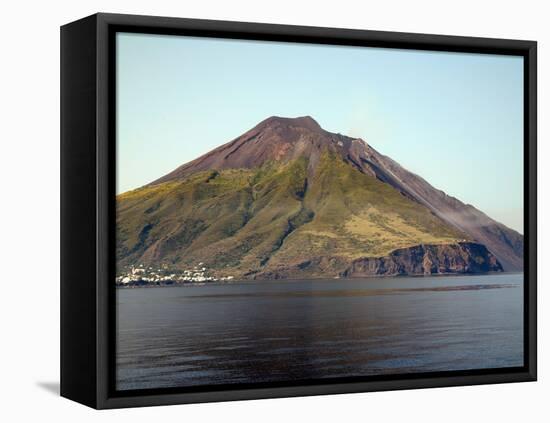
point(288, 199)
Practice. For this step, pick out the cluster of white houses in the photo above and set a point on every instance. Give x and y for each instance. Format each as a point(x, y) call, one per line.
point(143, 275)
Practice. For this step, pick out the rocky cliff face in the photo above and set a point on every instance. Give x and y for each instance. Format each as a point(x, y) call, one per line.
point(464, 257)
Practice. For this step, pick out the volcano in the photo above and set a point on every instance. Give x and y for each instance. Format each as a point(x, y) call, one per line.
point(288, 199)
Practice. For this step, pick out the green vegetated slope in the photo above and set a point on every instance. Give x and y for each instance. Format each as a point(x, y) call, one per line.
point(289, 219)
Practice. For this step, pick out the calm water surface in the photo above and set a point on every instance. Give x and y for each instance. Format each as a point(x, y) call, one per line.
point(295, 330)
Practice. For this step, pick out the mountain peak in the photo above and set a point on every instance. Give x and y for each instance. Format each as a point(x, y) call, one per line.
point(306, 122)
point(276, 138)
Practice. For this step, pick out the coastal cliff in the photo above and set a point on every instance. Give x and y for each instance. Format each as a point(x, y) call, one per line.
point(463, 257)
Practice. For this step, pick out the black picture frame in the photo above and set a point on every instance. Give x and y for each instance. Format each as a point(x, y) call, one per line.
point(88, 195)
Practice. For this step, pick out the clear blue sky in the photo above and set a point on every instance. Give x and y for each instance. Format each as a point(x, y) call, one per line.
point(453, 118)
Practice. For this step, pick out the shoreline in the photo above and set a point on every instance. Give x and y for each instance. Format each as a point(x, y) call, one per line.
point(320, 279)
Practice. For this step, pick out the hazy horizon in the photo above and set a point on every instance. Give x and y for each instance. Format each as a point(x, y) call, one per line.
point(454, 119)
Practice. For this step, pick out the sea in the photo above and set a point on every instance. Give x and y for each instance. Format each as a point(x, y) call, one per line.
point(303, 330)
